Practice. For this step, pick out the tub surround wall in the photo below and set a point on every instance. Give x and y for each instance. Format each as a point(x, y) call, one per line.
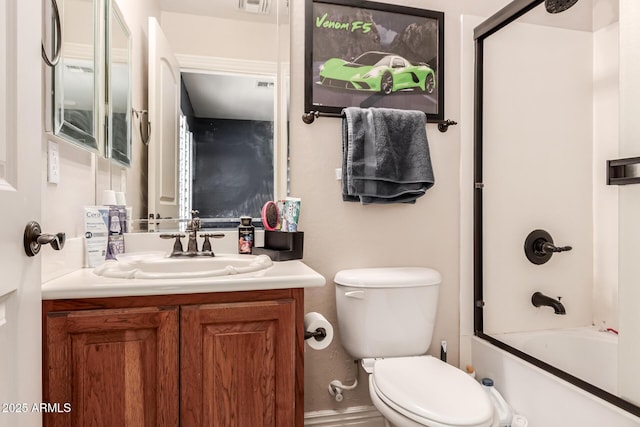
point(537, 168)
point(606, 83)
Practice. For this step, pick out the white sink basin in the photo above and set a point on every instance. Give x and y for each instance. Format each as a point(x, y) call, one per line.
point(158, 265)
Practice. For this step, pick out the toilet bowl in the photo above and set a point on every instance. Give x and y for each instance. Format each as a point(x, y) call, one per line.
point(424, 391)
point(386, 318)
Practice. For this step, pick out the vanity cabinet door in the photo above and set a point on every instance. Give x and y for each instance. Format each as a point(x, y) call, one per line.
point(113, 367)
point(237, 364)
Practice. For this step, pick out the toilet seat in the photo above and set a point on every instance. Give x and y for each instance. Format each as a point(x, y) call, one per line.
point(431, 392)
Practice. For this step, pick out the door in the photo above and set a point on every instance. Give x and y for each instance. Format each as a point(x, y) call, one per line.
point(237, 364)
point(114, 367)
point(164, 111)
point(20, 140)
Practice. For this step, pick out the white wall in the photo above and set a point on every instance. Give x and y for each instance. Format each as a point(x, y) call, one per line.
point(215, 37)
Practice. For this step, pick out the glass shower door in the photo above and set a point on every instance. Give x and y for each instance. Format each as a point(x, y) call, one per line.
point(629, 205)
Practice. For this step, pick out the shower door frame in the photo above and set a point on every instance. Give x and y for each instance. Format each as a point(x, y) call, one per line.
point(496, 22)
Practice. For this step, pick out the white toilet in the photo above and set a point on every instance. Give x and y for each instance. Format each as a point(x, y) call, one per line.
point(386, 318)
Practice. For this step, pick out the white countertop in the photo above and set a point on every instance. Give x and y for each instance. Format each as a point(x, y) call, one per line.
point(83, 283)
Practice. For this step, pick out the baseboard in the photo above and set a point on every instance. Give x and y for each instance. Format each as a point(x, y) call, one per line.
point(360, 416)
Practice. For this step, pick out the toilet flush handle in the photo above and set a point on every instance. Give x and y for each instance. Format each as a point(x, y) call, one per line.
point(355, 294)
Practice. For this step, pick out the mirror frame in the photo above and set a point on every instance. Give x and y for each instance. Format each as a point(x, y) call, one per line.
point(61, 128)
point(499, 20)
point(115, 20)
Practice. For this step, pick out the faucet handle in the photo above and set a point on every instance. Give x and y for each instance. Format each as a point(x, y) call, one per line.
point(206, 246)
point(177, 245)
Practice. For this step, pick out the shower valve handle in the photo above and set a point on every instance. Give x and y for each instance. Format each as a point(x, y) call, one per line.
point(539, 247)
point(544, 247)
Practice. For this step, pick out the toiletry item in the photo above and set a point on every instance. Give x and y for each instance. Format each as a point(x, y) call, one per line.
point(129, 223)
point(115, 240)
point(246, 235)
point(503, 409)
point(96, 232)
point(471, 371)
point(292, 213)
point(121, 200)
point(122, 214)
point(270, 216)
point(108, 197)
point(443, 350)
point(282, 221)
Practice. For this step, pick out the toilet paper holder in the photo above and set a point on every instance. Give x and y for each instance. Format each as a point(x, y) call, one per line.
point(319, 334)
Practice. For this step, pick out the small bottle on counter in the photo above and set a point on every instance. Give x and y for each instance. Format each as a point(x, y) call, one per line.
point(246, 235)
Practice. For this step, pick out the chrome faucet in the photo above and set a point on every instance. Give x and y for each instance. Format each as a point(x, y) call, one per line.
point(538, 299)
point(193, 226)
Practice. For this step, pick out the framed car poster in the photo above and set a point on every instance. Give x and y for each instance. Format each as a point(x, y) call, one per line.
point(368, 54)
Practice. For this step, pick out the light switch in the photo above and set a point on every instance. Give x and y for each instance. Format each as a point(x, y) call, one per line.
point(339, 174)
point(53, 163)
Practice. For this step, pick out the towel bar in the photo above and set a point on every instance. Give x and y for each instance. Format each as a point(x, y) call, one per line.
point(310, 117)
point(623, 171)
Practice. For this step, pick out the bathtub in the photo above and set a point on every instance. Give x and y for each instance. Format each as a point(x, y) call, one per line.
point(545, 399)
point(586, 353)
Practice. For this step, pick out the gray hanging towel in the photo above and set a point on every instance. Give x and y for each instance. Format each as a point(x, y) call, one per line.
point(385, 155)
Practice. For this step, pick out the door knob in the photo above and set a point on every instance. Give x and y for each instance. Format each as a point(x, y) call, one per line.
point(34, 238)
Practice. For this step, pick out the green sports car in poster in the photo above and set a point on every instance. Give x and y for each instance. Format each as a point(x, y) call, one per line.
point(377, 72)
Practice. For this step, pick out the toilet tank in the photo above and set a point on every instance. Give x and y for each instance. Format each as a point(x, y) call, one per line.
point(386, 312)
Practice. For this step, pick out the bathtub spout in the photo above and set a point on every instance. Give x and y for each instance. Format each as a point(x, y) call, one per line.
point(538, 299)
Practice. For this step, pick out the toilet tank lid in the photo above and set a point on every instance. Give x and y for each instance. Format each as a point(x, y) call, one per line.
point(388, 277)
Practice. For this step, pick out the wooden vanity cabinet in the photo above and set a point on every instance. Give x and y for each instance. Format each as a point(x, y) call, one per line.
point(217, 359)
point(113, 366)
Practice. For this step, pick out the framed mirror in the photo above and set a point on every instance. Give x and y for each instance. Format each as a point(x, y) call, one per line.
point(77, 76)
point(243, 63)
point(229, 119)
point(118, 90)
